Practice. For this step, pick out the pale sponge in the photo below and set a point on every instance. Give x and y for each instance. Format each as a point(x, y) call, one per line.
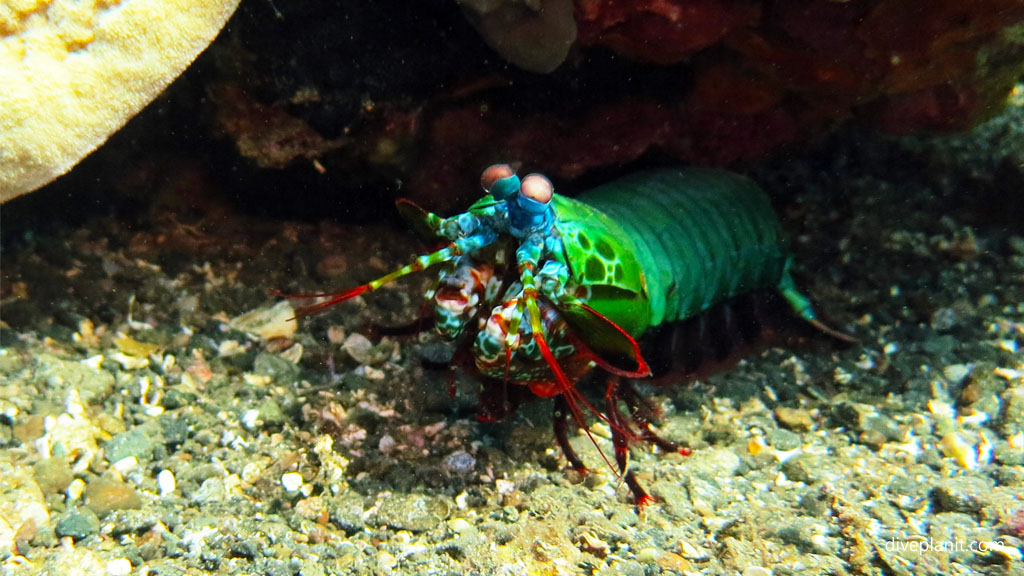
point(74, 71)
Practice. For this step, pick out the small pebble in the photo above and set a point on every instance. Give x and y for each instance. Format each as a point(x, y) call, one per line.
point(412, 512)
point(104, 495)
point(784, 440)
point(386, 560)
point(853, 415)
point(275, 367)
point(964, 494)
point(795, 419)
point(841, 376)
point(271, 414)
point(126, 465)
point(647, 555)
point(53, 475)
point(872, 438)
point(956, 373)
point(504, 486)
point(807, 468)
point(75, 489)
point(459, 525)
point(165, 482)
point(291, 481)
point(128, 444)
point(1011, 553)
point(359, 348)
point(250, 419)
point(78, 524)
point(459, 462)
point(687, 550)
point(756, 445)
point(119, 567)
point(268, 323)
point(756, 571)
point(944, 319)
point(953, 445)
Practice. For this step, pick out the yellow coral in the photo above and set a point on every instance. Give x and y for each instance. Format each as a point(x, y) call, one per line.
point(74, 71)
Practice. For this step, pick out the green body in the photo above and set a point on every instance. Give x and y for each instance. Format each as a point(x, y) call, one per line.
point(650, 249)
point(662, 246)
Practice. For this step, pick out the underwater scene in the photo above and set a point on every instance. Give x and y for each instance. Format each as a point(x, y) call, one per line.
point(512, 287)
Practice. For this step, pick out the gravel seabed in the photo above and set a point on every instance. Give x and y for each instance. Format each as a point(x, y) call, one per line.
point(159, 413)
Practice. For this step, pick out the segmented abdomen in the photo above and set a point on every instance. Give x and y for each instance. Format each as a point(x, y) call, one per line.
point(703, 236)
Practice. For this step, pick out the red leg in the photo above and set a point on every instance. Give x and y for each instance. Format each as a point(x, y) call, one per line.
point(561, 434)
point(620, 440)
point(643, 413)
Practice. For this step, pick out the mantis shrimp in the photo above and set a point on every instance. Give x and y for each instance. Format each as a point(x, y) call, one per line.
point(538, 289)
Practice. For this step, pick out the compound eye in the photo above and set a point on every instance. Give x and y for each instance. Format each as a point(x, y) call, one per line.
point(537, 187)
point(494, 173)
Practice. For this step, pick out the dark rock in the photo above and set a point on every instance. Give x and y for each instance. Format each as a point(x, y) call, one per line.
point(414, 512)
point(795, 419)
point(132, 521)
point(273, 365)
point(808, 468)
point(77, 524)
point(961, 494)
point(53, 475)
point(1006, 454)
point(104, 495)
point(175, 398)
point(784, 440)
point(439, 353)
point(1012, 420)
point(176, 429)
point(459, 463)
point(45, 537)
point(346, 512)
point(871, 438)
point(134, 442)
point(1009, 475)
point(270, 413)
point(853, 415)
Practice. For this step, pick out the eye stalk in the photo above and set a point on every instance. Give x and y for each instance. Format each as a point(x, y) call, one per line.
point(531, 209)
point(500, 181)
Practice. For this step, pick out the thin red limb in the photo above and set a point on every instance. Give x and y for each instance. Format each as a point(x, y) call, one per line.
point(621, 443)
point(562, 437)
point(334, 298)
point(568, 390)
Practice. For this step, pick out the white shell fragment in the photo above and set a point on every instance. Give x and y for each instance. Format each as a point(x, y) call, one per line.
point(291, 481)
point(166, 482)
point(277, 321)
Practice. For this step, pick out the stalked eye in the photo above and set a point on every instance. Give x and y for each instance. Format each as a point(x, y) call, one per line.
point(537, 187)
point(493, 173)
point(500, 181)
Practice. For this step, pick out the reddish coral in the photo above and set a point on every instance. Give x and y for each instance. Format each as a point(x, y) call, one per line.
point(660, 31)
point(704, 81)
point(563, 147)
point(932, 37)
point(762, 74)
point(569, 147)
point(902, 64)
point(267, 134)
point(943, 107)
